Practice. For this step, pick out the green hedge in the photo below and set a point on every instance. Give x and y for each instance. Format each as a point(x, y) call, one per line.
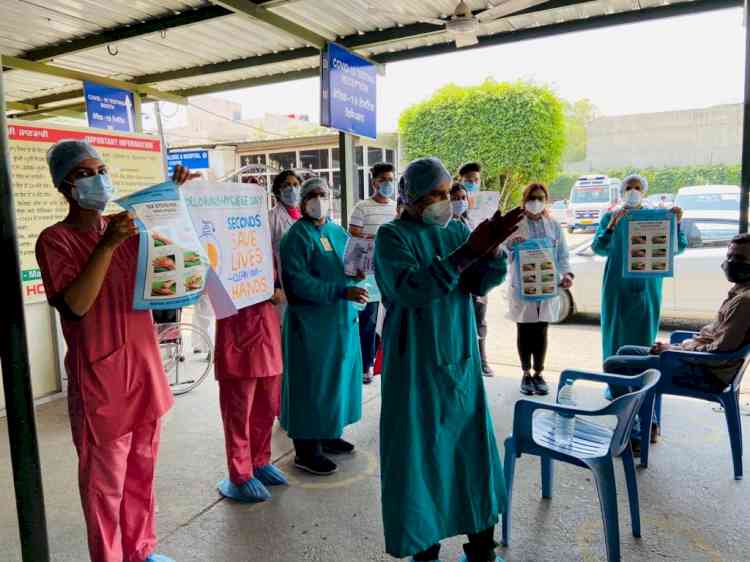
point(661, 180)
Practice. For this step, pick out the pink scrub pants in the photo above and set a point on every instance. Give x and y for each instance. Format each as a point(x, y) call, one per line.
point(248, 409)
point(116, 481)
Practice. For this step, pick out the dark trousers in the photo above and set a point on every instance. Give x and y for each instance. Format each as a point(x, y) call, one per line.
point(480, 311)
point(481, 548)
point(532, 343)
point(368, 323)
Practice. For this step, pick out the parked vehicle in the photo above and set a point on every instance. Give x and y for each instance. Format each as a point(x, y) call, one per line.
point(590, 198)
point(694, 293)
point(559, 211)
point(710, 201)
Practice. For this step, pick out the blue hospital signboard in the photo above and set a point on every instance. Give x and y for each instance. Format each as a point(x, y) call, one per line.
point(193, 159)
point(348, 92)
point(109, 108)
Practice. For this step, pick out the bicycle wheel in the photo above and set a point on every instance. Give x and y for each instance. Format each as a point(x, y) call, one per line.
point(187, 355)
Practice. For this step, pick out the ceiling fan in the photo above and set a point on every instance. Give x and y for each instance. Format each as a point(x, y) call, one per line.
point(463, 25)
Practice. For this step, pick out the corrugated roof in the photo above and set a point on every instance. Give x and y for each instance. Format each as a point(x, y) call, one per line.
point(227, 48)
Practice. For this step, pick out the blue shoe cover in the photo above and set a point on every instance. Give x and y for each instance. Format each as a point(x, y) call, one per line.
point(464, 559)
point(271, 476)
point(158, 558)
point(252, 491)
point(412, 560)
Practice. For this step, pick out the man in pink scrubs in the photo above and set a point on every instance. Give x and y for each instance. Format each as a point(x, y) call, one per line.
point(117, 388)
point(248, 368)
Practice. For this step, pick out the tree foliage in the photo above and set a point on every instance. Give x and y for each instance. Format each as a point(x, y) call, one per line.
point(515, 130)
point(661, 180)
point(578, 115)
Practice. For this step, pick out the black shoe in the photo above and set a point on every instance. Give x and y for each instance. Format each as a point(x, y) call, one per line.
point(337, 447)
point(367, 378)
point(318, 465)
point(635, 446)
point(527, 385)
point(540, 385)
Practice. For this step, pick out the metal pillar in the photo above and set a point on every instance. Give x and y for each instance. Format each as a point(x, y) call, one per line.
point(160, 128)
point(138, 112)
point(745, 183)
point(14, 355)
point(348, 174)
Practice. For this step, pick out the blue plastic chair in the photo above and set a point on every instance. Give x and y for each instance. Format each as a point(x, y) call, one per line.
point(675, 362)
point(594, 446)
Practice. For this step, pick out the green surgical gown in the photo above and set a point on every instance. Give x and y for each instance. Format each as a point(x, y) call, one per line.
point(441, 473)
point(630, 308)
point(322, 387)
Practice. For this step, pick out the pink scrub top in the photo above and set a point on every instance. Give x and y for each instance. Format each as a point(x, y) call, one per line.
point(116, 377)
point(248, 344)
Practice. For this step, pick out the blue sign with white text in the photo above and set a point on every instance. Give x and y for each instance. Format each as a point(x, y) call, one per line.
point(109, 108)
point(193, 159)
point(348, 93)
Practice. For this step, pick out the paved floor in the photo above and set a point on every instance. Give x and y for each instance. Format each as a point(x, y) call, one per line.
point(691, 507)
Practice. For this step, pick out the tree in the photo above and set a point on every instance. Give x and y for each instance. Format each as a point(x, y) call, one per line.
point(578, 115)
point(515, 130)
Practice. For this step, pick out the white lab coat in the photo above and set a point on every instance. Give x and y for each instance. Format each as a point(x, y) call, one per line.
point(522, 311)
point(279, 222)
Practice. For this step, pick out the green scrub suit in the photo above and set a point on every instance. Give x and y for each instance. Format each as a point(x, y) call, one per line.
point(630, 308)
point(322, 387)
point(440, 467)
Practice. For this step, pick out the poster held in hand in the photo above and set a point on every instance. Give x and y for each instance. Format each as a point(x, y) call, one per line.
point(649, 244)
point(172, 266)
point(358, 258)
point(483, 205)
point(231, 220)
point(536, 269)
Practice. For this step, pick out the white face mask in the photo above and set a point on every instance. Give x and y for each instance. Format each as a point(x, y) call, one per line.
point(535, 207)
point(633, 198)
point(318, 208)
point(439, 213)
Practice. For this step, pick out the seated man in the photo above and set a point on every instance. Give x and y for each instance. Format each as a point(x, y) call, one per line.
point(729, 332)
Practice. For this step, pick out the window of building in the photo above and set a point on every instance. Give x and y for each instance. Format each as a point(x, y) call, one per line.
point(359, 155)
point(390, 156)
point(314, 159)
point(283, 160)
point(374, 156)
point(246, 159)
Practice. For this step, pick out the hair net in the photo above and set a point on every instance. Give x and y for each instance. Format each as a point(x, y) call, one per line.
point(64, 156)
point(644, 182)
point(422, 176)
point(313, 183)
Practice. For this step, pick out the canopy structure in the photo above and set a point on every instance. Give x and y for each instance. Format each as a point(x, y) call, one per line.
point(174, 49)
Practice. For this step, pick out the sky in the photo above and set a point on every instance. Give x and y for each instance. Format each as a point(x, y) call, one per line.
point(671, 64)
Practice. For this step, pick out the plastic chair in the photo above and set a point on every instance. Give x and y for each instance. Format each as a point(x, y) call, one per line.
point(675, 362)
point(594, 446)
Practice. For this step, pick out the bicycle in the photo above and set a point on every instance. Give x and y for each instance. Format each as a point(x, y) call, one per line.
point(186, 353)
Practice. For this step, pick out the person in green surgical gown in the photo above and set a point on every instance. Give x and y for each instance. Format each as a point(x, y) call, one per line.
point(631, 308)
point(322, 386)
point(441, 472)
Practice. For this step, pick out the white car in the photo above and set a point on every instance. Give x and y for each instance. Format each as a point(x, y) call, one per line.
point(559, 211)
point(710, 201)
point(694, 293)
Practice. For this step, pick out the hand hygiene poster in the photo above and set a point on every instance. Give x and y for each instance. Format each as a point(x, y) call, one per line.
point(171, 263)
point(536, 270)
point(650, 244)
point(231, 220)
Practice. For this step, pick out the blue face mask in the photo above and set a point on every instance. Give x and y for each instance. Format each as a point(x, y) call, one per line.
point(387, 189)
point(471, 186)
point(93, 192)
point(290, 196)
point(460, 207)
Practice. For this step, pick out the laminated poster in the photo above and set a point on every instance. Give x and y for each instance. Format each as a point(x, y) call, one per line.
point(231, 220)
point(536, 270)
point(483, 205)
point(172, 266)
point(649, 244)
point(358, 257)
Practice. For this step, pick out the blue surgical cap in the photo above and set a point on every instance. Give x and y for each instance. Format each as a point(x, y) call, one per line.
point(313, 183)
point(644, 182)
point(421, 177)
point(64, 156)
